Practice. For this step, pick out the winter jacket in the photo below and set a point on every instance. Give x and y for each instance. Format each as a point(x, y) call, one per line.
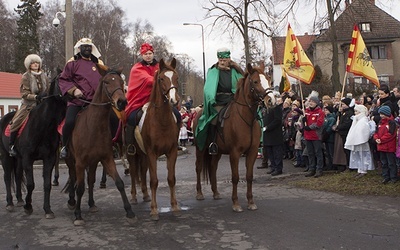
point(315, 120)
point(386, 132)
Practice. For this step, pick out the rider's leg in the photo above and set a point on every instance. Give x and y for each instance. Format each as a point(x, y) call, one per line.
point(130, 133)
point(70, 118)
point(12, 150)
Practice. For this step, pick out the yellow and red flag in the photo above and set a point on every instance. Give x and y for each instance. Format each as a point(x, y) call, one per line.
point(359, 61)
point(286, 82)
point(295, 60)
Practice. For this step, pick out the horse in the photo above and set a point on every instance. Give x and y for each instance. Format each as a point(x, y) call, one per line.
point(91, 143)
point(240, 134)
point(38, 141)
point(160, 133)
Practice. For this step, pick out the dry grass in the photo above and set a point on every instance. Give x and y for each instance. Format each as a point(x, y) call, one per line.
point(345, 183)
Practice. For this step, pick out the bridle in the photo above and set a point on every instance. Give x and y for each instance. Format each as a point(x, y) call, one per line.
point(165, 93)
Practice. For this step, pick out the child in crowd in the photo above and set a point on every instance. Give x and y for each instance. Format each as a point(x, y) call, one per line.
point(385, 138)
point(298, 136)
point(183, 135)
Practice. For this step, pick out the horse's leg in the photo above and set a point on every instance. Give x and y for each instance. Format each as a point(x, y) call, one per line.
point(103, 178)
point(171, 161)
point(199, 167)
point(30, 183)
point(71, 183)
point(8, 168)
point(19, 175)
point(250, 160)
point(48, 165)
point(132, 160)
point(112, 171)
point(234, 161)
point(91, 180)
point(57, 169)
point(142, 168)
point(213, 165)
point(80, 190)
point(152, 161)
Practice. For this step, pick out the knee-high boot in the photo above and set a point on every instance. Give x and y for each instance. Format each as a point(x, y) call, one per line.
point(130, 139)
point(12, 150)
point(213, 148)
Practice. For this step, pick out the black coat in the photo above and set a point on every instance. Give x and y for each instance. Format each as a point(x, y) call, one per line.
point(272, 119)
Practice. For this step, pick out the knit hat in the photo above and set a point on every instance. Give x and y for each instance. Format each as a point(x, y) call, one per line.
point(298, 111)
point(297, 103)
point(330, 108)
point(288, 101)
point(346, 101)
point(385, 110)
point(314, 98)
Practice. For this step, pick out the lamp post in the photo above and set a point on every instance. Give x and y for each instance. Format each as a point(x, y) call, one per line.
point(67, 14)
point(202, 42)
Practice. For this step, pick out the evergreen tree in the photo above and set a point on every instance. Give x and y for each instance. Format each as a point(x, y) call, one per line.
point(27, 38)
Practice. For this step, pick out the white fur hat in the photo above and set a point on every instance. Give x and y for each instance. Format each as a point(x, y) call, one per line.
point(86, 41)
point(32, 58)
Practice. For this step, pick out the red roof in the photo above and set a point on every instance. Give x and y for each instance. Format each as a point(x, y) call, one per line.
point(9, 85)
point(278, 46)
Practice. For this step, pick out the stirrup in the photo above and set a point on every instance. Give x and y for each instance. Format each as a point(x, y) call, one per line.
point(64, 152)
point(131, 149)
point(213, 148)
point(12, 151)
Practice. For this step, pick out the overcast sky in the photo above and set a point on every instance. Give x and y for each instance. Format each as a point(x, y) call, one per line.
point(168, 16)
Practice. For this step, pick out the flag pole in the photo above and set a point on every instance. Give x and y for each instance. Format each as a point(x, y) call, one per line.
point(341, 95)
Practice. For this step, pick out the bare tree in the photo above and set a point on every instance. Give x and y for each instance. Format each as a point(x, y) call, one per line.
point(7, 33)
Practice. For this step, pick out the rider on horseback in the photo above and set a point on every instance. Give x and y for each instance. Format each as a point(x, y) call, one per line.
point(219, 90)
point(34, 86)
point(141, 82)
point(79, 80)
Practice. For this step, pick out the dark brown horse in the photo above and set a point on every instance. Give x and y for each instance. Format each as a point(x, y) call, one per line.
point(239, 135)
point(91, 143)
point(159, 134)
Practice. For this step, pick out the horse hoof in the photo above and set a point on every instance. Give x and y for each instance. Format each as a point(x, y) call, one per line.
point(200, 197)
point(237, 209)
point(103, 185)
point(55, 183)
point(132, 221)
point(93, 209)
point(154, 217)
point(28, 211)
point(126, 172)
point(50, 216)
point(71, 207)
point(79, 222)
point(20, 203)
point(217, 197)
point(10, 208)
point(134, 201)
point(252, 207)
point(146, 199)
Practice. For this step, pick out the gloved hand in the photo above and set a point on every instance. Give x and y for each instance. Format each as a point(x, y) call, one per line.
point(304, 120)
point(40, 96)
point(307, 128)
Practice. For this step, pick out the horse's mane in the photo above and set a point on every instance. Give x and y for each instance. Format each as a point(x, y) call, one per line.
point(240, 85)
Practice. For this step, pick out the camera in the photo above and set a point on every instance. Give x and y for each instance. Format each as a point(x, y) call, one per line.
point(56, 22)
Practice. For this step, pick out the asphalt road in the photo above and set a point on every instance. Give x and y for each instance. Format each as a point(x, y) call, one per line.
point(287, 218)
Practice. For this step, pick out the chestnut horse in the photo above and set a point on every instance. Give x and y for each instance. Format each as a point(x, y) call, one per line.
point(160, 136)
point(91, 143)
point(37, 141)
point(240, 134)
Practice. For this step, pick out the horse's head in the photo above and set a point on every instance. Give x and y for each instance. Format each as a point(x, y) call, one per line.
point(167, 81)
point(113, 86)
point(257, 81)
point(271, 98)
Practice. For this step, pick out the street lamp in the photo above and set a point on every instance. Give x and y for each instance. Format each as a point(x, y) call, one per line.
point(67, 14)
point(202, 42)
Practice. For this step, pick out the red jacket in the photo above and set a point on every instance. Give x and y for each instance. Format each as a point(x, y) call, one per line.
point(141, 81)
point(315, 121)
point(388, 140)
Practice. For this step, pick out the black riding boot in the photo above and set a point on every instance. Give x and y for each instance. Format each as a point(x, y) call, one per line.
point(213, 147)
point(12, 150)
point(129, 140)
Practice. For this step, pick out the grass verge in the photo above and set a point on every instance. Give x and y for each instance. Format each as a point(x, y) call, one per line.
point(345, 183)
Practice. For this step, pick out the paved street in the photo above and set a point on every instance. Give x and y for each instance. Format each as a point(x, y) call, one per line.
point(287, 218)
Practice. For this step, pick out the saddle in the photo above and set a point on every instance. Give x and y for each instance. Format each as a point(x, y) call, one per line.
point(222, 115)
point(7, 131)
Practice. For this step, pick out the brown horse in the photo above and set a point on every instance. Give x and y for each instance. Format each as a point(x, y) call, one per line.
point(239, 135)
point(91, 143)
point(160, 136)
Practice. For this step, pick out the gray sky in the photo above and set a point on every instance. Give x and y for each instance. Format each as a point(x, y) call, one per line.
point(168, 16)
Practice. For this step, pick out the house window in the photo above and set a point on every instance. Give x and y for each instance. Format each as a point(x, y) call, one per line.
point(12, 108)
point(1, 111)
point(365, 27)
point(383, 80)
point(377, 52)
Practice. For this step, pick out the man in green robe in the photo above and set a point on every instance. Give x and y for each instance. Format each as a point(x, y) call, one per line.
point(219, 90)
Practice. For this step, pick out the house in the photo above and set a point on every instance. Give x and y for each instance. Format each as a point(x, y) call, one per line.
point(381, 34)
point(10, 97)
